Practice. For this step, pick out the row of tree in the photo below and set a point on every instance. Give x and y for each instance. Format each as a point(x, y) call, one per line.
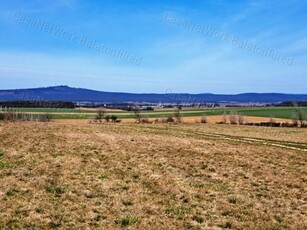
point(233, 117)
point(11, 115)
point(137, 112)
point(292, 104)
point(177, 116)
point(37, 104)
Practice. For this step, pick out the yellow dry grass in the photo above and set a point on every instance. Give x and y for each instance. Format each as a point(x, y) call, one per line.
point(112, 176)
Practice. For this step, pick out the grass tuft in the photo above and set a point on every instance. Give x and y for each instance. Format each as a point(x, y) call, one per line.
point(1, 153)
point(56, 190)
point(126, 221)
point(198, 219)
point(127, 202)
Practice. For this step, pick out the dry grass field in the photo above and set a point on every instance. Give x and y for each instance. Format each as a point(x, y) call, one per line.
point(187, 176)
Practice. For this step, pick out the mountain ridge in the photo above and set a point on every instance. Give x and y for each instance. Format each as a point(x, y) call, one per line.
point(66, 93)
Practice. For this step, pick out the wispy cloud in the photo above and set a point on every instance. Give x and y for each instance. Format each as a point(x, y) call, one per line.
point(173, 57)
point(246, 10)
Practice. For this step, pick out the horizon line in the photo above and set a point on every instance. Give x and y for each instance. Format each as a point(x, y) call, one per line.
point(166, 91)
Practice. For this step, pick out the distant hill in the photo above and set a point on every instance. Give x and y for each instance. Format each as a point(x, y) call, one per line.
point(65, 93)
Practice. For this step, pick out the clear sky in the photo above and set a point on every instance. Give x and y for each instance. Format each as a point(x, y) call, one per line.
point(194, 46)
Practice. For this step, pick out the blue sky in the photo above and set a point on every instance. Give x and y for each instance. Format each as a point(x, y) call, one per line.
point(172, 56)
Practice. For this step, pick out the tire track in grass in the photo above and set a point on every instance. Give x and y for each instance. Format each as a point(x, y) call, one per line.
point(281, 144)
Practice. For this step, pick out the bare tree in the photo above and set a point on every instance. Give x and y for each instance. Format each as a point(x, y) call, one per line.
point(224, 119)
point(100, 115)
point(241, 119)
point(295, 122)
point(272, 122)
point(300, 116)
point(233, 118)
point(203, 120)
point(137, 113)
point(177, 114)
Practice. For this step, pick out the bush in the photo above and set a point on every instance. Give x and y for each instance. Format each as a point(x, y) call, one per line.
point(114, 118)
point(250, 123)
point(233, 118)
point(224, 120)
point(203, 120)
point(269, 124)
point(100, 115)
point(9, 116)
point(287, 125)
point(241, 119)
point(170, 120)
point(145, 121)
point(107, 118)
point(295, 123)
point(162, 120)
point(273, 123)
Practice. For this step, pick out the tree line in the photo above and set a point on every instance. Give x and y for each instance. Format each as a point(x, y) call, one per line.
point(37, 104)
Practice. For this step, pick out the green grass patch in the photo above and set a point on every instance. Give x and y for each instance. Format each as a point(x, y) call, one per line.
point(270, 112)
